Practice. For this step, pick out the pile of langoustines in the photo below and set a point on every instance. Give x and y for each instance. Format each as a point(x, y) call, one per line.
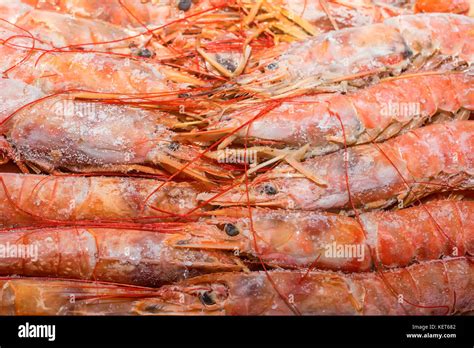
point(246, 157)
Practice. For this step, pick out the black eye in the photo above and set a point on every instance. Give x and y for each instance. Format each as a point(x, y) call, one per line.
point(184, 5)
point(272, 66)
point(207, 299)
point(173, 146)
point(231, 230)
point(152, 308)
point(227, 63)
point(269, 189)
point(184, 95)
point(145, 53)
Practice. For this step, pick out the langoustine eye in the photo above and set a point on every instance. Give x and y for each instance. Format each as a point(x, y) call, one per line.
point(207, 298)
point(269, 189)
point(231, 230)
point(184, 5)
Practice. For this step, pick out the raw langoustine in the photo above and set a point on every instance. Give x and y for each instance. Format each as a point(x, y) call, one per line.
point(412, 42)
point(120, 101)
point(40, 200)
point(162, 252)
point(377, 240)
point(48, 28)
point(56, 69)
point(431, 288)
point(117, 255)
point(328, 122)
point(62, 133)
point(129, 13)
point(366, 176)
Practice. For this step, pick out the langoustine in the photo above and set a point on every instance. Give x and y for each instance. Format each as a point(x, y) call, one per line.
point(366, 176)
point(60, 132)
point(377, 240)
point(412, 42)
point(137, 257)
point(82, 34)
point(287, 21)
point(129, 13)
point(39, 200)
point(328, 15)
point(330, 122)
point(165, 42)
point(58, 70)
point(431, 288)
point(97, 27)
point(156, 253)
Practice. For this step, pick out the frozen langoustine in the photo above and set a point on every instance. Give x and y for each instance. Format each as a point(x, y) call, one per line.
point(48, 27)
point(55, 70)
point(148, 13)
point(329, 122)
point(344, 13)
point(63, 133)
point(438, 157)
point(298, 239)
point(284, 239)
point(412, 42)
point(96, 74)
point(27, 200)
point(431, 288)
point(138, 257)
point(327, 15)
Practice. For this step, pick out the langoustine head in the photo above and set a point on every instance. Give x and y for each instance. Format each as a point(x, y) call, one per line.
point(281, 238)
